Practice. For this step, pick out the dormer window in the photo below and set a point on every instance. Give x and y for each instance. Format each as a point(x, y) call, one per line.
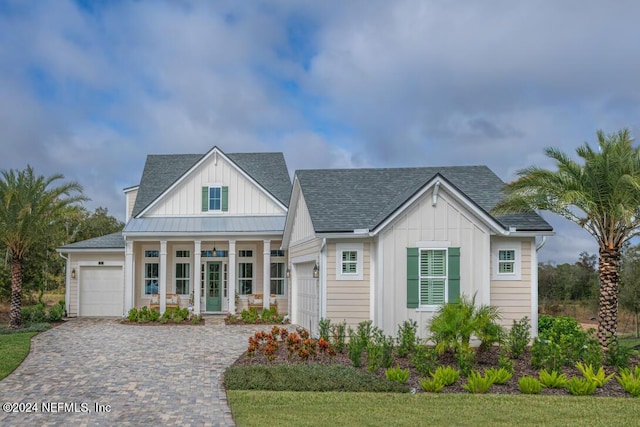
point(215, 198)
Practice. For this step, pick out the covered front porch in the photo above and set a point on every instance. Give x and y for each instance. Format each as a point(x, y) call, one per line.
point(214, 275)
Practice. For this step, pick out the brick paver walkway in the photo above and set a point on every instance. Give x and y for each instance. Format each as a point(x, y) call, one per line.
point(147, 375)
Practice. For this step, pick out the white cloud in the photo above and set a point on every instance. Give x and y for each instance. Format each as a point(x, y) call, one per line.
point(90, 89)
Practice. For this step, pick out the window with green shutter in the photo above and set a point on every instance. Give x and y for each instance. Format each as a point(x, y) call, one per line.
point(215, 199)
point(433, 276)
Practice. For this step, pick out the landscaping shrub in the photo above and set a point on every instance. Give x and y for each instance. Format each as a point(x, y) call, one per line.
point(365, 332)
point(379, 349)
point(518, 337)
point(618, 355)
point(355, 348)
point(431, 385)
point(498, 375)
point(55, 313)
point(407, 338)
point(562, 342)
point(270, 315)
point(529, 385)
point(34, 314)
point(447, 375)
point(250, 316)
point(397, 374)
point(599, 378)
point(324, 328)
point(477, 383)
point(580, 386)
point(629, 379)
point(504, 362)
point(316, 378)
point(339, 336)
point(466, 360)
point(453, 324)
point(547, 354)
point(552, 379)
point(425, 360)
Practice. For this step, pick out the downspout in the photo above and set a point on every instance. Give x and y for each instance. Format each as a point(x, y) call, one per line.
point(323, 279)
point(541, 244)
point(534, 288)
point(67, 285)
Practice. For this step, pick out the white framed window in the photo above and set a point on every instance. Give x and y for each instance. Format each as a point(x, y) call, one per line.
point(433, 277)
point(215, 199)
point(277, 278)
point(506, 260)
point(245, 278)
point(150, 278)
point(183, 254)
point(183, 276)
point(349, 261)
point(245, 253)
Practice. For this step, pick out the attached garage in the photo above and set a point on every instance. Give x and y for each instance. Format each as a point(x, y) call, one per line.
point(308, 297)
point(101, 291)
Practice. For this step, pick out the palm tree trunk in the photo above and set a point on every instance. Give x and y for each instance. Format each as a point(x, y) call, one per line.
point(609, 272)
point(15, 316)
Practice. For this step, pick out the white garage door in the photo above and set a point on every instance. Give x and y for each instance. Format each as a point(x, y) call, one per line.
point(308, 297)
point(101, 291)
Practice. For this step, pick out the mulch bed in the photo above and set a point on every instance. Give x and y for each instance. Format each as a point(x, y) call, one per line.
point(484, 359)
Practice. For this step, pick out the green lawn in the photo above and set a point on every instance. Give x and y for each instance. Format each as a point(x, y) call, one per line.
point(629, 341)
point(13, 349)
point(268, 408)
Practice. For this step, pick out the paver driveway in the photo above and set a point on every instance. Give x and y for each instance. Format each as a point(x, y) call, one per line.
point(148, 375)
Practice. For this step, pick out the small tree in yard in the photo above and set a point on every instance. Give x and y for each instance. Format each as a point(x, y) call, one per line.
point(31, 208)
point(601, 194)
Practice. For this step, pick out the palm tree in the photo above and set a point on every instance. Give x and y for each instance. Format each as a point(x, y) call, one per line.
point(601, 194)
point(30, 209)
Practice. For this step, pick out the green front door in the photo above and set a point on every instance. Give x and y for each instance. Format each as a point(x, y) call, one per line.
point(214, 286)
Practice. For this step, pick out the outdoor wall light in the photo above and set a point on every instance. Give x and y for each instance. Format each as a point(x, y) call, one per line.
point(288, 273)
point(73, 273)
point(316, 271)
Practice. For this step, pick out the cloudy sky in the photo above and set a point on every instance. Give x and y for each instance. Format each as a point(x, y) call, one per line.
point(89, 88)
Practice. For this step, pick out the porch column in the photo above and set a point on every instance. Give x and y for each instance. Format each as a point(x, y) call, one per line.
point(128, 277)
point(232, 276)
point(196, 275)
point(266, 273)
point(163, 276)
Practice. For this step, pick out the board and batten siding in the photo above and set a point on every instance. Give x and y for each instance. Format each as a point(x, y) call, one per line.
point(513, 297)
point(131, 196)
point(245, 198)
point(302, 228)
point(348, 299)
point(423, 225)
point(86, 257)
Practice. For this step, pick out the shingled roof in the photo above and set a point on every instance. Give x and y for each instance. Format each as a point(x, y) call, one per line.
point(110, 241)
point(161, 171)
point(343, 200)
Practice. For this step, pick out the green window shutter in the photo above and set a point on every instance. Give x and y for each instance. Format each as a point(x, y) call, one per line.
point(412, 277)
point(225, 199)
point(205, 199)
point(454, 275)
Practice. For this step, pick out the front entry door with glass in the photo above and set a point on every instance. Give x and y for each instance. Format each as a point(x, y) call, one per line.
point(214, 286)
